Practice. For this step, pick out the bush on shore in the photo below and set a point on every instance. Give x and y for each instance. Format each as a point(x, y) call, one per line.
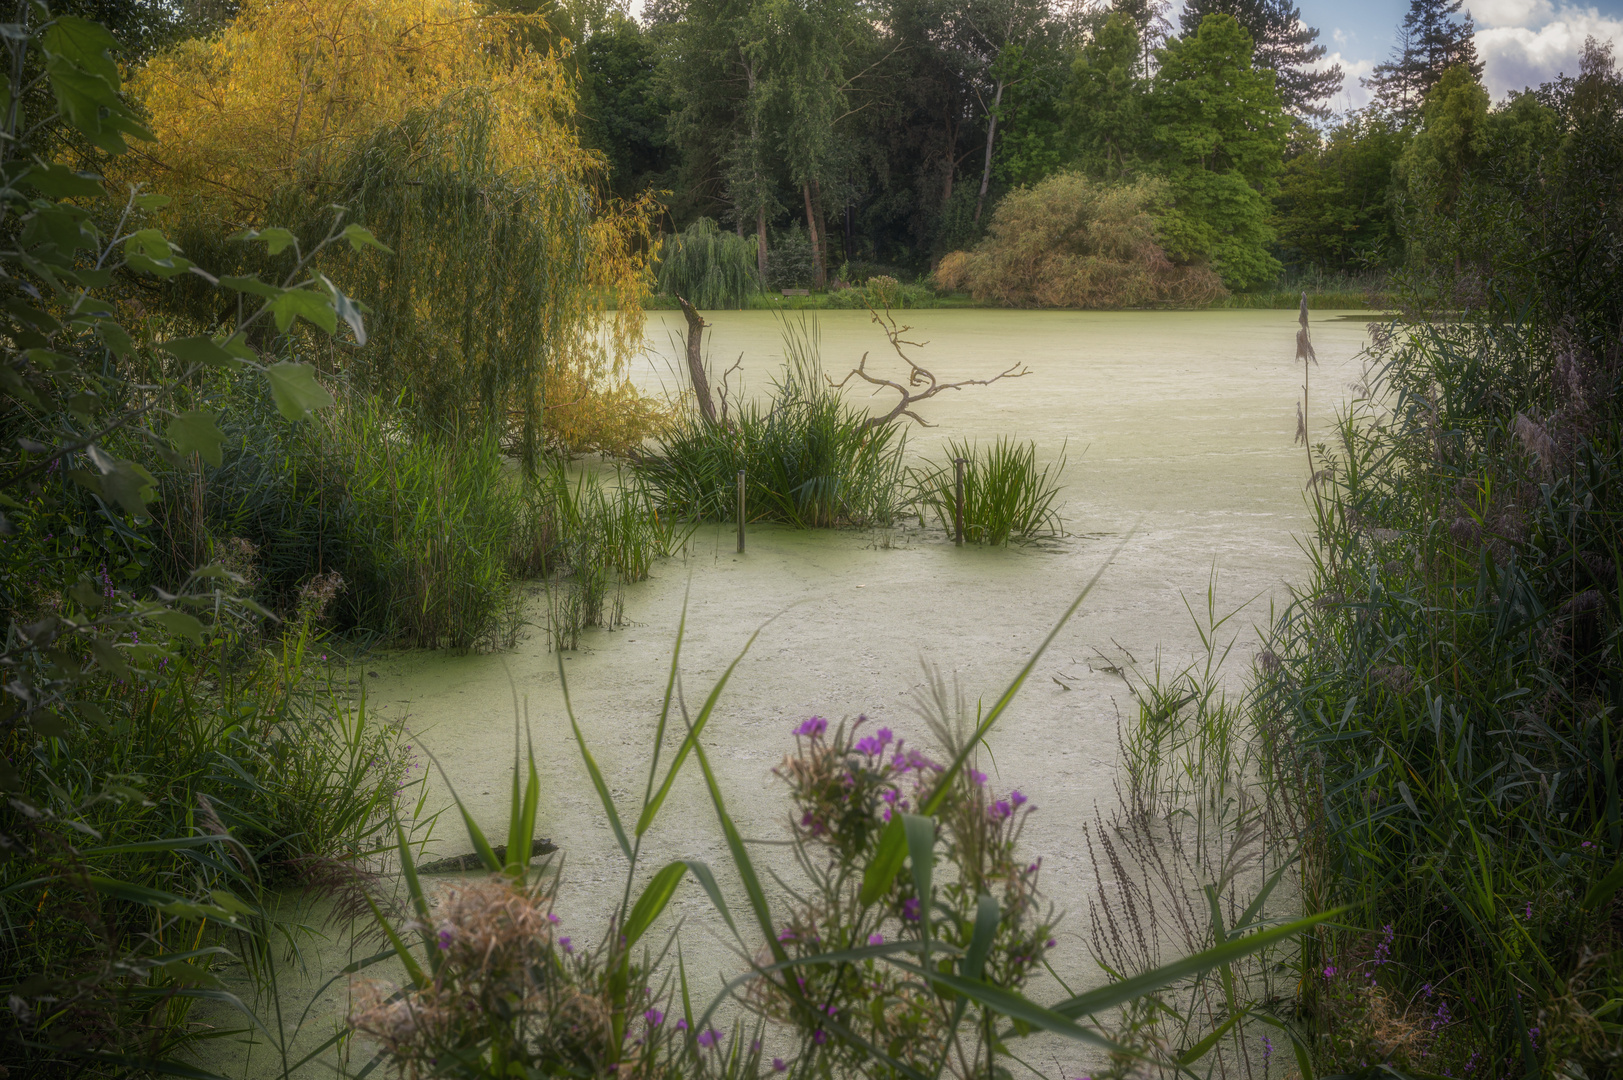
point(1077, 243)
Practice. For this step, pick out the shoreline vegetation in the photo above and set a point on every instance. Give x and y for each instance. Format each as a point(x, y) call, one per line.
point(1284, 299)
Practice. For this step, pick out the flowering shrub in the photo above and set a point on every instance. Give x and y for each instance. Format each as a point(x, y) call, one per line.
point(847, 785)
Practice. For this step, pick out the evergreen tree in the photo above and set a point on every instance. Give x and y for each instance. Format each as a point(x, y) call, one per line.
point(1221, 132)
point(1434, 37)
point(1105, 107)
point(1281, 42)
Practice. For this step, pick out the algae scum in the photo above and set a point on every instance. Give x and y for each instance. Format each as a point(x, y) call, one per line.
point(1179, 431)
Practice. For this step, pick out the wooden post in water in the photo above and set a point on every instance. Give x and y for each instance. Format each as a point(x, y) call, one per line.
point(741, 511)
point(958, 503)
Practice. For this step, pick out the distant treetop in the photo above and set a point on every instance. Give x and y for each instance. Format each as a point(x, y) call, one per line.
point(1281, 42)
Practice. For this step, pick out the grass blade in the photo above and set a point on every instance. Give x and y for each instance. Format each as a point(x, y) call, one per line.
point(1118, 993)
point(591, 766)
point(655, 895)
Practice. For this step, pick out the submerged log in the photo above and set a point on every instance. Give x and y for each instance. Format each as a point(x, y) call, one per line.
point(461, 864)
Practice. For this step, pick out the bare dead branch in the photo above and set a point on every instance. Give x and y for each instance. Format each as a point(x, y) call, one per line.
point(917, 376)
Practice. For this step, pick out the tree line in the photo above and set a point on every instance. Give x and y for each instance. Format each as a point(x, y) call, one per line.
point(842, 133)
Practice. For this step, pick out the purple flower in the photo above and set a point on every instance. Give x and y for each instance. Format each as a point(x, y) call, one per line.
point(876, 939)
point(786, 934)
point(681, 1025)
point(654, 1017)
point(1050, 944)
point(1267, 1049)
point(818, 1037)
point(910, 909)
point(778, 1065)
point(890, 796)
point(999, 810)
point(1329, 971)
point(977, 776)
point(812, 728)
point(755, 1046)
point(709, 1038)
point(551, 918)
point(564, 944)
point(1017, 799)
point(445, 938)
point(884, 736)
point(869, 746)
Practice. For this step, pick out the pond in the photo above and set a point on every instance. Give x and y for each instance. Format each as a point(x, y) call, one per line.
point(1179, 431)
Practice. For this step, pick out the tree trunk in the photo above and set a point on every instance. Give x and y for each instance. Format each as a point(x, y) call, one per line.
point(822, 235)
point(811, 228)
point(760, 244)
point(848, 231)
point(986, 167)
point(701, 381)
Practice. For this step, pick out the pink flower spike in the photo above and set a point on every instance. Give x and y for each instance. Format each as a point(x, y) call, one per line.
point(876, 939)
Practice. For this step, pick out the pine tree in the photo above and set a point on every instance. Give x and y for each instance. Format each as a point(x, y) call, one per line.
point(1281, 42)
point(1434, 37)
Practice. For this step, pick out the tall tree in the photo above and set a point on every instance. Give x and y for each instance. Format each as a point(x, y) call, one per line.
point(1222, 132)
point(1281, 42)
point(1434, 37)
point(1105, 114)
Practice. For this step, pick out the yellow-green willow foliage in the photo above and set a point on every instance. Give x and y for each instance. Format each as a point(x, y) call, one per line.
point(512, 292)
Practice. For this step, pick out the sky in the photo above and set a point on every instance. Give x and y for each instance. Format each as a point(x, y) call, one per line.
point(1521, 42)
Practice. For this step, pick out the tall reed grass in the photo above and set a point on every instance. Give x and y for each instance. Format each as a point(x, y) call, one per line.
point(808, 457)
point(430, 535)
point(173, 813)
point(1006, 495)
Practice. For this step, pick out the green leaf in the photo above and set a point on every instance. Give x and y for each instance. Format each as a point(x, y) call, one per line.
point(1014, 1006)
point(591, 766)
point(296, 391)
point(741, 859)
point(196, 432)
point(129, 485)
point(980, 942)
point(276, 238)
point(1117, 993)
point(419, 902)
point(89, 45)
point(655, 895)
point(115, 337)
point(61, 182)
point(359, 236)
point(307, 304)
point(418, 978)
point(652, 807)
point(1603, 889)
point(921, 856)
point(152, 201)
point(178, 622)
point(108, 656)
point(1204, 1046)
point(886, 862)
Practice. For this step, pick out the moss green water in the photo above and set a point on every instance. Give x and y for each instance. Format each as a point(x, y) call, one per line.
point(1179, 428)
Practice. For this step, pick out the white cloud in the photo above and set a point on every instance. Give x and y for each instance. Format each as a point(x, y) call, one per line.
point(1526, 42)
point(1510, 12)
point(1353, 95)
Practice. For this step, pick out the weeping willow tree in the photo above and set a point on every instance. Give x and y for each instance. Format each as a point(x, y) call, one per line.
point(510, 292)
point(709, 268)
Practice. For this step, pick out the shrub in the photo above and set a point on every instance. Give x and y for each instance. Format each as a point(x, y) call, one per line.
point(1074, 242)
point(1006, 497)
point(789, 260)
point(709, 268)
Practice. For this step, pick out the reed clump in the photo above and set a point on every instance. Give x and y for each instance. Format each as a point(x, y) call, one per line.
point(810, 459)
point(1007, 496)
